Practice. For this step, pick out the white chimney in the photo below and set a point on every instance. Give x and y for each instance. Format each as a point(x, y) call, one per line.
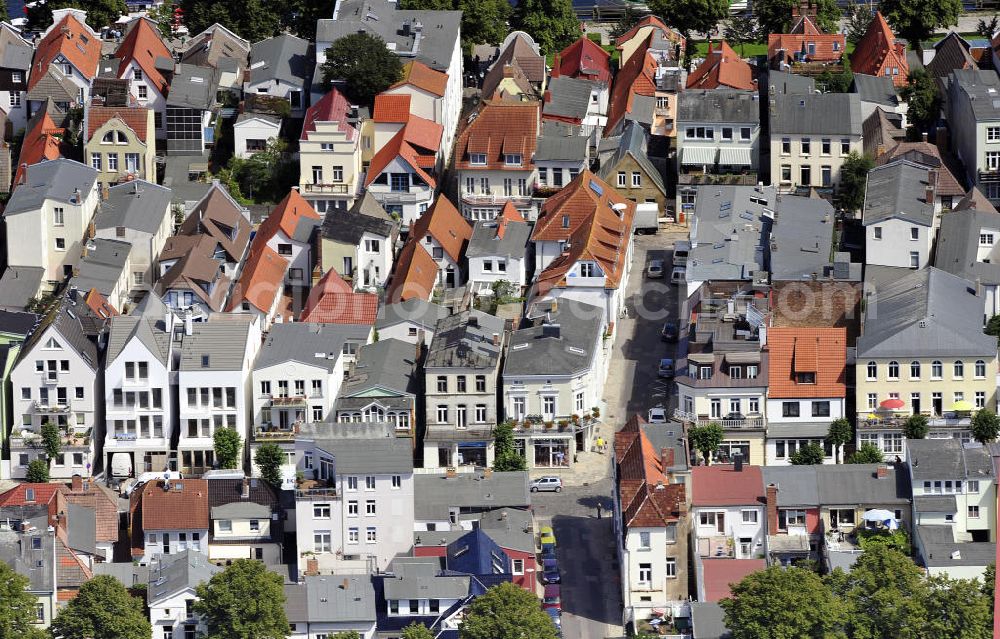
point(188, 323)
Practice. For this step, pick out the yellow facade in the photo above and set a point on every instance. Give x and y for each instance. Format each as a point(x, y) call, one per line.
point(917, 381)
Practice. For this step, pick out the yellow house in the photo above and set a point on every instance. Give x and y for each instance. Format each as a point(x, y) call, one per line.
point(121, 144)
point(922, 351)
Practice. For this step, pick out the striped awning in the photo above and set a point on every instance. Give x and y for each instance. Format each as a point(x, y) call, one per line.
point(738, 156)
point(697, 155)
point(740, 357)
point(701, 358)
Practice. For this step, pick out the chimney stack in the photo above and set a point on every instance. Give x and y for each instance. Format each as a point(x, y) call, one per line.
point(77, 484)
point(930, 191)
point(245, 494)
point(667, 457)
point(772, 506)
point(488, 473)
point(451, 473)
point(882, 471)
point(188, 323)
point(496, 339)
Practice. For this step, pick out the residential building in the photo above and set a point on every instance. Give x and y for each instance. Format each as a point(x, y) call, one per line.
point(191, 110)
point(330, 146)
point(577, 101)
point(120, 143)
point(462, 373)
point(146, 63)
point(966, 246)
point(560, 155)
point(332, 301)
point(518, 51)
point(922, 351)
point(722, 69)
point(106, 269)
point(428, 91)
point(170, 594)
point(288, 231)
point(634, 93)
point(974, 126)
point(553, 378)
point(805, 43)
point(168, 517)
point(281, 67)
point(415, 276)
point(901, 215)
point(801, 246)
point(94, 507)
point(446, 502)
point(954, 501)
point(727, 514)
point(811, 136)
point(651, 521)
point(664, 38)
point(253, 131)
point(16, 53)
point(924, 154)
point(880, 53)
point(629, 168)
point(428, 592)
point(497, 252)
point(42, 141)
point(878, 92)
point(718, 133)
point(412, 321)
point(221, 49)
point(138, 213)
point(586, 60)
point(72, 48)
point(807, 389)
point(15, 327)
point(444, 234)
point(382, 387)
point(359, 243)
point(246, 520)
point(331, 604)
point(29, 549)
point(950, 53)
point(494, 159)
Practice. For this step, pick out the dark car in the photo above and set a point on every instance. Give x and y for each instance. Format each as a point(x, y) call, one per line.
point(548, 553)
point(550, 571)
point(551, 598)
point(669, 332)
point(555, 615)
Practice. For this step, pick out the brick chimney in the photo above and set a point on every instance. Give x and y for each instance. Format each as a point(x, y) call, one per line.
point(312, 566)
point(667, 457)
point(882, 471)
point(772, 507)
point(77, 484)
point(930, 191)
point(246, 489)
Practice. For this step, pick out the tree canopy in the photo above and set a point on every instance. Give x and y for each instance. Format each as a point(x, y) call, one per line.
point(100, 13)
point(854, 180)
point(985, 426)
point(839, 435)
point(691, 16)
point(38, 471)
point(505, 456)
point(866, 454)
point(244, 600)
point(228, 445)
point(858, 17)
point(916, 20)
point(916, 427)
point(923, 100)
point(269, 458)
point(103, 609)
point(775, 16)
point(506, 611)
point(782, 602)
point(253, 20)
point(483, 21)
point(552, 23)
point(811, 454)
point(706, 439)
point(363, 64)
point(417, 631)
point(51, 441)
point(17, 613)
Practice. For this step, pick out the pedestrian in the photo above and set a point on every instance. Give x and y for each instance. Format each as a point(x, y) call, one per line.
point(600, 444)
point(599, 514)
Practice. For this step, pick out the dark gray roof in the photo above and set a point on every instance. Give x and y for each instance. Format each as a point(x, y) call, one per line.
point(567, 97)
point(147, 323)
point(16, 551)
point(102, 266)
point(253, 115)
point(128, 573)
point(412, 310)
point(328, 600)
point(67, 318)
point(877, 89)
point(718, 105)
point(561, 148)
point(939, 548)
point(730, 231)
point(434, 494)
point(368, 205)
point(241, 510)
point(485, 243)
point(632, 142)
point(465, 340)
point(670, 435)
point(178, 572)
point(982, 91)
point(15, 53)
point(935, 504)
point(192, 86)
point(18, 285)
point(796, 484)
point(801, 238)
point(708, 621)
point(420, 578)
point(81, 528)
point(296, 603)
point(15, 323)
point(832, 485)
point(948, 459)
point(340, 225)
point(927, 313)
point(223, 340)
point(138, 205)
point(897, 191)
point(433, 45)
point(797, 429)
point(564, 346)
point(790, 83)
point(816, 113)
point(510, 528)
point(306, 342)
point(363, 448)
point(283, 57)
point(61, 180)
point(388, 364)
point(958, 245)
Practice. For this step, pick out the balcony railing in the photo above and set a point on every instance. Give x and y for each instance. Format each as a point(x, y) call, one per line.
point(559, 425)
point(316, 493)
point(933, 420)
point(472, 198)
point(747, 179)
point(69, 439)
point(400, 197)
point(751, 422)
point(49, 408)
point(340, 188)
point(288, 400)
point(270, 433)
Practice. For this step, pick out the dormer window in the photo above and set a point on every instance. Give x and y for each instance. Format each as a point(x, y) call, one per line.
point(588, 269)
point(137, 74)
point(805, 378)
point(512, 159)
point(478, 159)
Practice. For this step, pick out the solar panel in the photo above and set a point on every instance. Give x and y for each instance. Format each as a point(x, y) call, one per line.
point(746, 215)
point(725, 206)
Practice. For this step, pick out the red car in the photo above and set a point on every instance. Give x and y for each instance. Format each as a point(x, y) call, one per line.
point(551, 597)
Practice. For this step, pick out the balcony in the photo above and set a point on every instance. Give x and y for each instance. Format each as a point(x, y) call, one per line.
point(47, 408)
point(565, 425)
point(273, 433)
point(328, 189)
point(947, 420)
point(317, 492)
point(401, 197)
point(742, 179)
point(750, 422)
point(68, 438)
point(288, 400)
point(497, 200)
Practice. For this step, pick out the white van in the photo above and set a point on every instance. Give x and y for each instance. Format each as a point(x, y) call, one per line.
point(681, 250)
point(678, 275)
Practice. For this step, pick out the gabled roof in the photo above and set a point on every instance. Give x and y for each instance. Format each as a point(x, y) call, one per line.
point(333, 301)
point(521, 53)
point(391, 108)
point(282, 58)
point(816, 113)
point(181, 505)
point(563, 344)
point(723, 485)
point(60, 180)
point(500, 128)
point(134, 117)
point(821, 351)
point(579, 200)
point(179, 572)
point(388, 364)
point(222, 218)
point(633, 143)
point(421, 76)
point(829, 47)
point(722, 68)
point(142, 44)
point(332, 107)
point(877, 89)
point(567, 98)
point(137, 205)
point(413, 310)
point(293, 216)
point(414, 276)
point(104, 501)
point(873, 48)
point(648, 21)
point(42, 141)
point(73, 40)
point(15, 51)
point(261, 279)
point(312, 344)
point(951, 53)
point(445, 224)
point(948, 459)
point(958, 242)
point(898, 190)
point(196, 269)
point(584, 59)
point(505, 235)
point(636, 78)
point(648, 498)
point(398, 147)
point(927, 155)
point(147, 323)
point(98, 304)
point(349, 227)
point(18, 495)
point(215, 44)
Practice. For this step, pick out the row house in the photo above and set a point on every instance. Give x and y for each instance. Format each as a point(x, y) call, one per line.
point(666, 42)
point(105, 270)
point(922, 352)
point(414, 277)
point(333, 301)
point(586, 60)
point(629, 168)
point(191, 110)
point(70, 48)
point(520, 56)
point(560, 155)
point(222, 50)
point(329, 605)
point(359, 243)
point(722, 69)
point(494, 159)
point(718, 133)
point(497, 252)
point(967, 247)
point(427, 89)
point(457, 502)
point(330, 170)
point(145, 62)
point(412, 321)
point(880, 53)
point(901, 215)
point(167, 517)
point(382, 387)
point(288, 231)
point(120, 143)
point(15, 327)
point(634, 94)
point(553, 378)
point(947, 187)
point(427, 591)
point(281, 67)
point(16, 53)
point(43, 140)
point(172, 592)
point(247, 519)
point(576, 102)
point(974, 127)
point(443, 234)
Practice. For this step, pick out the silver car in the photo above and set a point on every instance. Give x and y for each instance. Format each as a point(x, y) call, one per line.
point(547, 484)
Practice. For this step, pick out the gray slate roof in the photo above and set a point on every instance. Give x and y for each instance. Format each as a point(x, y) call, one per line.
point(413, 310)
point(418, 578)
point(948, 459)
point(897, 191)
point(102, 266)
point(925, 313)
point(178, 572)
point(982, 91)
point(388, 364)
point(708, 621)
point(241, 510)
point(363, 448)
point(18, 285)
point(66, 319)
point(348, 227)
point(801, 238)
point(434, 494)
point(222, 340)
point(60, 180)
point(832, 485)
point(15, 53)
point(632, 142)
point(935, 504)
point(284, 57)
point(877, 89)
point(147, 323)
point(790, 83)
point(327, 600)
point(561, 148)
point(567, 97)
point(485, 243)
point(718, 105)
point(536, 350)
point(958, 245)
point(433, 47)
point(729, 233)
point(816, 113)
point(509, 528)
point(15, 323)
point(465, 340)
point(302, 342)
point(81, 528)
point(138, 205)
point(938, 544)
point(192, 86)
point(16, 552)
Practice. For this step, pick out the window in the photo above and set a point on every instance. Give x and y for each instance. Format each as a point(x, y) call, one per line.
point(972, 486)
point(825, 146)
point(893, 370)
point(352, 536)
point(480, 383)
point(370, 482)
point(225, 525)
point(821, 409)
point(973, 512)
point(512, 159)
point(645, 573)
point(992, 160)
point(986, 239)
point(877, 232)
point(112, 161)
point(745, 133)
point(60, 244)
point(727, 133)
point(980, 369)
point(789, 409)
point(671, 568)
point(370, 508)
point(806, 145)
point(478, 159)
point(397, 481)
point(636, 179)
point(58, 216)
point(442, 383)
point(352, 483)
point(255, 525)
point(442, 414)
point(352, 508)
point(622, 176)
point(914, 259)
point(15, 99)
point(786, 173)
point(370, 535)
point(788, 517)
point(993, 134)
point(321, 511)
point(644, 541)
point(480, 413)
point(317, 175)
point(749, 516)
point(958, 369)
point(872, 371)
point(95, 161)
point(826, 175)
point(786, 146)
point(937, 370)
point(914, 370)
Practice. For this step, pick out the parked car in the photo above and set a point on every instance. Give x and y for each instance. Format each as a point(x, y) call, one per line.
point(654, 270)
point(547, 537)
point(669, 332)
point(681, 250)
point(556, 615)
point(550, 571)
point(547, 483)
point(657, 415)
point(666, 367)
point(678, 275)
point(548, 552)
point(551, 598)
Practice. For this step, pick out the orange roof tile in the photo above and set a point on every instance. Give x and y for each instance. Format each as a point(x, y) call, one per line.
point(183, 507)
point(261, 279)
point(645, 22)
point(415, 275)
point(500, 127)
point(446, 225)
point(99, 304)
point(74, 41)
point(720, 574)
point(17, 496)
point(42, 142)
point(636, 77)
point(508, 214)
point(143, 44)
point(584, 59)
point(648, 499)
point(722, 68)
point(135, 118)
point(332, 107)
point(423, 77)
point(291, 211)
point(398, 147)
point(578, 200)
point(829, 47)
point(879, 49)
point(391, 107)
point(332, 301)
point(822, 351)
point(425, 134)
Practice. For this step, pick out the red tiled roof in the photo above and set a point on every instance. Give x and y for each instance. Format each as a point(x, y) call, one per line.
point(722, 68)
point(135, 118)
point(584, 59)
point(286, 217)
point(143, 44)
point(74, 41)
point(423, 77)
point(636, 77)
point(332, 107)
point(508, 214)
point(261, 279)
point(499, 128)
point(415, 275)
point(99, 304)
point(183, 507)
point(648, 499)
point(398, 147)
point(822, 351)
point(16, 496)
point(648, 21)
point(391, 107)
point(446, 225)
point(105, 504)
point(425, 134)
point(721, 485)
point(718, 574)
point(332, 301)
point(42, 142)
point(830, 47)
point(879, 49)
point(579, 201)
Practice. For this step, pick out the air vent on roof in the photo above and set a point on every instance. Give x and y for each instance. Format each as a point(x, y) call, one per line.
point(519, 347)
point(576, 351)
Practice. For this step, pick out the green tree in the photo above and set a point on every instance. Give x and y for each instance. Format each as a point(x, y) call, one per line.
point(985, 426)
point(552, 23)
point(691, 16)
point(957, 608)
point(857, 17)
point(923, 100)
point(781, 603)
point(17, 613)
point(775, 16)
point(301, 17)
point(254, 20)
point(854, 180)
point(895, 539)
point(51, 441)
point(244, 600)
point(993, 326)
point(269, 458)
point(506, 611)
point(103, 609)
point(809, 455)
point(38, 471)
point(417, 631)
point(866, 454)
point(483, 21)
point(886, 593)
point(988, 28)
point(266, 176)
point(505, 456)
point(741, 30)
point(163, 15)
point(629, 18)
point(839, 435)
point(347, 634)
point(836, 82)
point(100, 13)
point(706, 439)
point(915, 427)
point(989, 580)
point(228, 447)
point(363, 64)
point(916, 20)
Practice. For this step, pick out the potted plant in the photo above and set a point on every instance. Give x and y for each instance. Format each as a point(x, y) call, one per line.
point(563, 424)
point(596, 411)
point(575, 418)
point(549, 424)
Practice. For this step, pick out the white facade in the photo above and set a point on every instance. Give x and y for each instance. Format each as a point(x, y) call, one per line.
point(487, 269)
point(646, 575)
point(721, 531)
point(254, 134)
point(810, 160)
point(294, 393)
point(168, 542)
point(899, 243)
point(299, 256)
point(146, 94)
point(783, 441)
point(403, 193)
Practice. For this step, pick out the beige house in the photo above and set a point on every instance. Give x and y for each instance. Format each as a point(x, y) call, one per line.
point(330, 154)
point(121, 144)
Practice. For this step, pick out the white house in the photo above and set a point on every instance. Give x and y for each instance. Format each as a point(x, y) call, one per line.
point(252, 132)
point(727, 511)
point(170, 594)
point(16, 52)
point(170, 516)
point(409, 321)
point(968, 245)
point(359, 243)
point(901, 215)
point(144, 60)
point(324, 606)
point(497, 252)
point(280, 67)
